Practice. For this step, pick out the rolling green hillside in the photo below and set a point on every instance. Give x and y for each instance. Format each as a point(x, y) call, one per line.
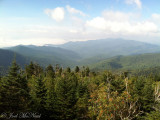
point(6, 58)
point(45, 55)
point(133, 62)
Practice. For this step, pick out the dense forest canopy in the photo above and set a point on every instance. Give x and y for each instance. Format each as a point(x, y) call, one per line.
point(65, 94)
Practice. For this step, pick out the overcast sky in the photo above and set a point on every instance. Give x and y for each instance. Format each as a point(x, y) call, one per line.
point(40, 22)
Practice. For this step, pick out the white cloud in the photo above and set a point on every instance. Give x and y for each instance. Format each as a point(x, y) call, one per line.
point(97, 22)
point(78, 23)
point(116, 15)
point(56, 14)
point(74, 11)
point(118, 22)
point(73, 31)
point(137, 2)
point(156, 18)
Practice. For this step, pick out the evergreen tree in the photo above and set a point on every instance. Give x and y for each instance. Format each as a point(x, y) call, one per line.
point(51, 99)
point(58, 70)
point(50, 71)
point(143, 90)
point(33, 69)
point(148, 96)
point(152, 116)
point(29, 70)
point(87, 71)
point(66, 88)
point(77, 69)
point(68, 69)
point(82, 102)
point(41, 92)
point(14, 91)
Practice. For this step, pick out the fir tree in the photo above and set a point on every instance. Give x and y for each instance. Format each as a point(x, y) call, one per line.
point(66, 88)
point(14, 91)
point(68, 69)
point(77, 69)
point(87, 71)
point(50, 71)
point(40, 92)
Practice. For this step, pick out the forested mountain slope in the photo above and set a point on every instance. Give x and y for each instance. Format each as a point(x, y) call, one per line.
point(45, 55)
point(6, 58)
point(129, 62)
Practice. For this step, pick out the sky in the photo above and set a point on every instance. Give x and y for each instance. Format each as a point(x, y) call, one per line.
point(40, 22)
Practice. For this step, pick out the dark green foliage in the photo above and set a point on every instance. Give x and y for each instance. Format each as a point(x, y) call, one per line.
point(153, 71)
point(66, 95)
point(41, 93)
point(14, 91)
point(134, 62)
point(77, 69)
point(51, 97)
point(62, 94)
point(68, 69)
point(30, 69)
point(50, 71)
point(153, 116)
point(144, 91)
point(83, 97)
point(148, 96)
point(33, 69)
point(118, 85)
point(87, 71)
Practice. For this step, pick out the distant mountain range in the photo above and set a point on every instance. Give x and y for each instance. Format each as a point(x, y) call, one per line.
point(98, 54)
point(110, 47)
point(45, 55)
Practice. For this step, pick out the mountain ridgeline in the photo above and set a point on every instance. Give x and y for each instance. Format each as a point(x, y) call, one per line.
point(133, 62)
point(98, 54)
point(45, 54)
point(6, 58)
point(110, 47)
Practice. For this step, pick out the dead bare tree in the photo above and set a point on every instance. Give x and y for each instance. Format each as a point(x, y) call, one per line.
point(157, 97)
point(130, 109)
